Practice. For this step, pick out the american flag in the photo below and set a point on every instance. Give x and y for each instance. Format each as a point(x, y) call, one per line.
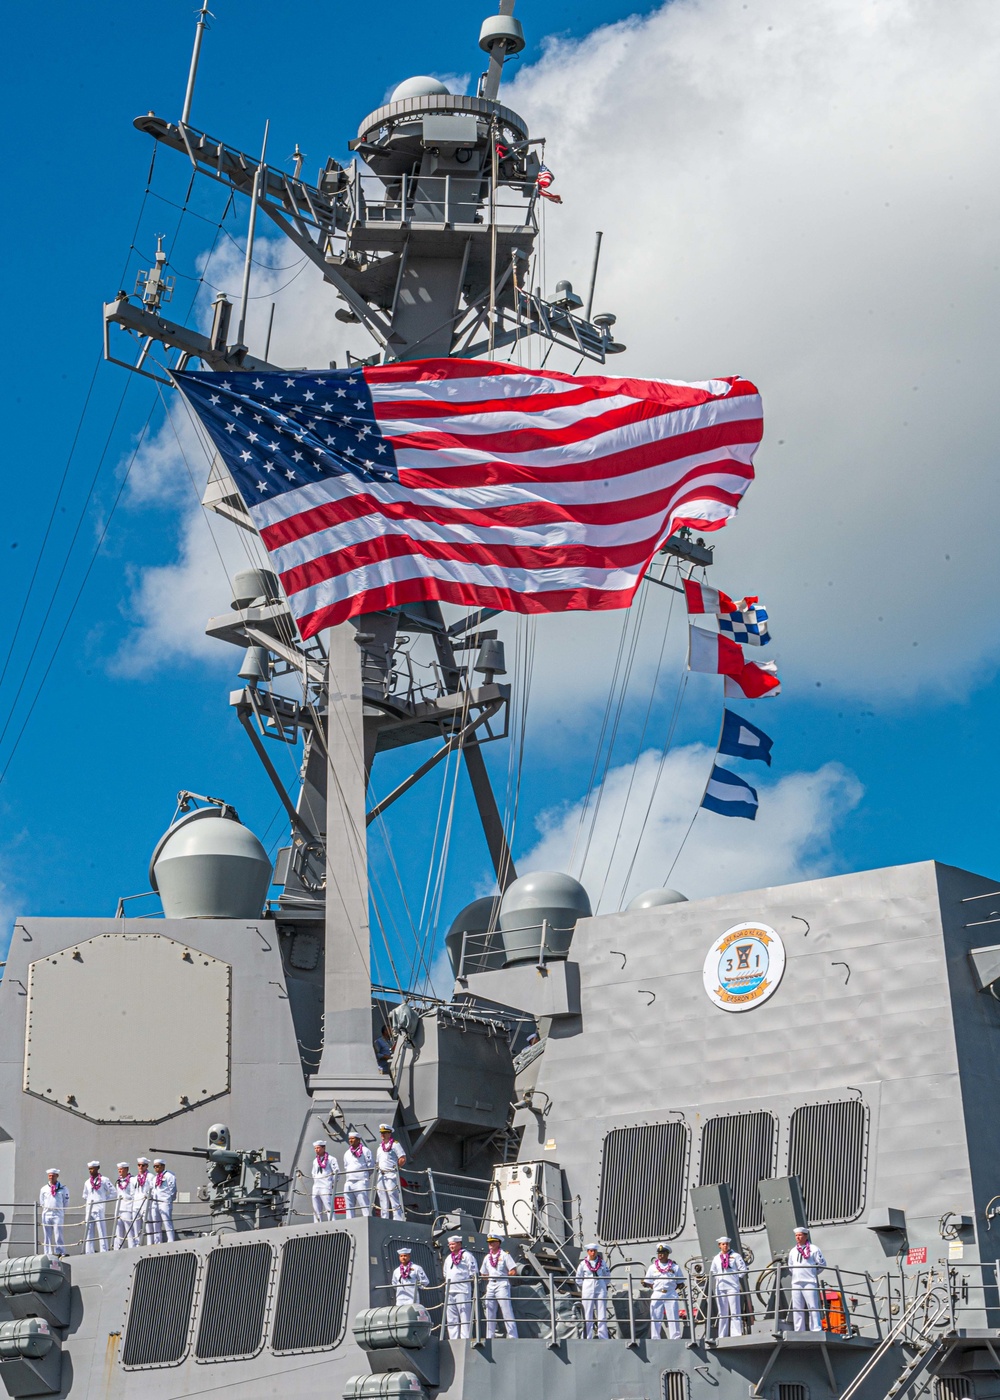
point(475, 483)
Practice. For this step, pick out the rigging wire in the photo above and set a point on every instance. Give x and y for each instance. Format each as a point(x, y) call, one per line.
point(79, 595)
point(76, 438)
point(619, 710)
point(65, 564)
point(638, 755)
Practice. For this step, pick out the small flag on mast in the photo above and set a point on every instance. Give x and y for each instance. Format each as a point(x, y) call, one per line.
point(714, 654)
point(729, 795)
point(747, 623)
point(741, 739)
point(702, 599)
point(545, 178)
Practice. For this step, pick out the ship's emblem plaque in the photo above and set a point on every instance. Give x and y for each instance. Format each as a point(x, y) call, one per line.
point(743, 967)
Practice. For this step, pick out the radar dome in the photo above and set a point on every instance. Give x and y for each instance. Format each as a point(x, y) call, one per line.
point(210, 866)
point(475, 920)
point(544, 896)
point(419, 87)
point(652, 899)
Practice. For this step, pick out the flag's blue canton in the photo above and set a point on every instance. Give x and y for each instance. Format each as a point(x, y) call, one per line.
point(278, 432)
point(748, 626)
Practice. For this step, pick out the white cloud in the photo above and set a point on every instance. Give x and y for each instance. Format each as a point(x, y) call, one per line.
point(644, 811)
point(797, 195)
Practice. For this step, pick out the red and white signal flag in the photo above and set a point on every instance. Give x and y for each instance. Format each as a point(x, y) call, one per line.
point(714, 654)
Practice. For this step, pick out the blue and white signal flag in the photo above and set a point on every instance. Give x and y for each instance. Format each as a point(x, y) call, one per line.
point(741, 739)
point(729, 795)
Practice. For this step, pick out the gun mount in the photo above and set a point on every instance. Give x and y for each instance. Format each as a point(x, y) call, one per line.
point(244, 1187)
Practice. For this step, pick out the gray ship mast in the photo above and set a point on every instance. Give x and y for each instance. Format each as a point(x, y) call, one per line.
point(428, 240)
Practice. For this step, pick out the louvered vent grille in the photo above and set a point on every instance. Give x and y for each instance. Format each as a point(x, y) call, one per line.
point(159, 1314)
point(422, 1254)
point(827, 1151)
point(643, 1179)
point(310, 1313)
point(953, 1388)
point(791, 1390)
point(675, 1385)
point(739, 1149)
point(234, 1302)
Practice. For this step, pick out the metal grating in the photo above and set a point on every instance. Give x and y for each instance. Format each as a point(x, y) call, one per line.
point(159, 1314)
point(828, 1152)
point(675, 1385)
point(311, 1310)
point(739, 1148)
point(643, 1180)
point(791, 1390)
point(234, 1302)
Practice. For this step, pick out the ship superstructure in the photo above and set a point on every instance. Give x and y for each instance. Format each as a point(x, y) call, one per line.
point(823, 1054)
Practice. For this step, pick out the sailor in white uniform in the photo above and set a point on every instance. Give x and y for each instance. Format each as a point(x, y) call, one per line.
point(460, 1268)
point(389, 1157)
point(408, 1278)
point(142, 1191)
point(97, 1191)
point(727, 1272)
point(161, 1202)
point(592, 1276)
point(324, 1169)
point(52, 1202)
point(804, 1264)
point(124, 1208)
point(664, 1276)
point(358, 1166)
point(497, 1268)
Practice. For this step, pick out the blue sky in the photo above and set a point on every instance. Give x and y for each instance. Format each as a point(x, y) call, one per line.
point(868, 533)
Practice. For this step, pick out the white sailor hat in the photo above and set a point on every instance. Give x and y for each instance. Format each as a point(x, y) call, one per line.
point(142, 1161)
point(159, 1162)
point(51, 1171)
point(592, 1245)
point(800, 1230)
point(723, 1239)
point(384, 1128)
point(405, 1250)
point(319, 1143)
point(353, 1132)
point(122, 1164)
point(92, 1164)
point(454, 1239)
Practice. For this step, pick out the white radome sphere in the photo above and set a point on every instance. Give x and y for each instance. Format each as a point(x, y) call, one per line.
point(652, 899)
point(419, 87)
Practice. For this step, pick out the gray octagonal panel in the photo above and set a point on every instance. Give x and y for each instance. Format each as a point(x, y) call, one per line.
point(128, 1028)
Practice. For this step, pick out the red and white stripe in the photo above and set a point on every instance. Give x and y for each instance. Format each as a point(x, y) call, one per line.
point(524, 490)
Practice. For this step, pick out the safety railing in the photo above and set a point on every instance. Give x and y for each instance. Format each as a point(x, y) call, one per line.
point(426, 1195)
point(23, 1227)
point(458, 200)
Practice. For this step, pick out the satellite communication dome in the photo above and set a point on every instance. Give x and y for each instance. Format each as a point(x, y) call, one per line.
point(474, 919)
point(652, 899)
point(544, 896)
point(419, 87)
point(210, 866)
